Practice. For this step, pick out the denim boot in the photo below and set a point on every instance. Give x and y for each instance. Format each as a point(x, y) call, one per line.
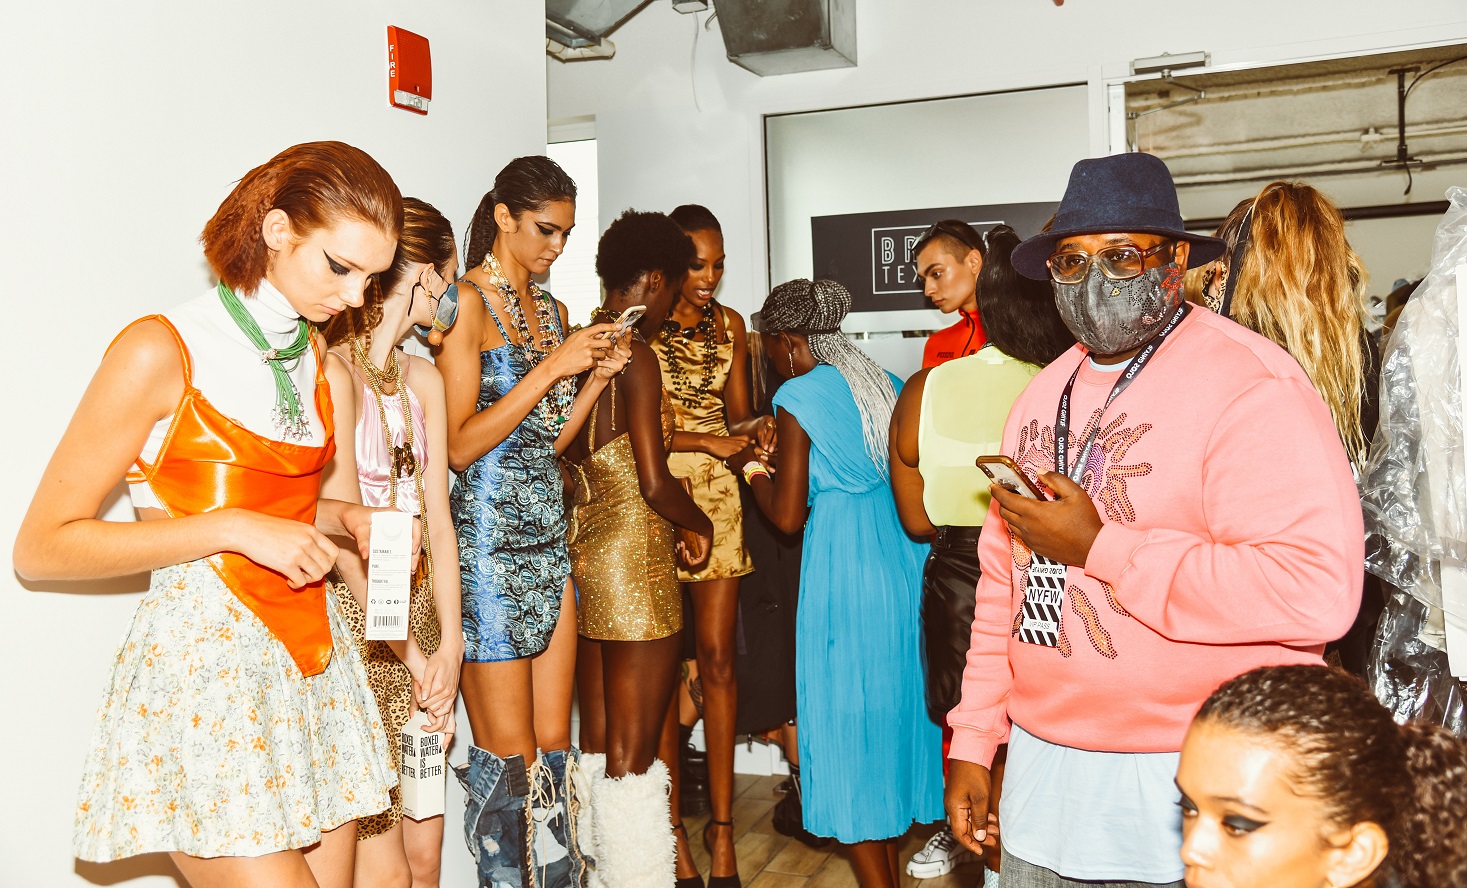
point(555, 857)
point(494, 819)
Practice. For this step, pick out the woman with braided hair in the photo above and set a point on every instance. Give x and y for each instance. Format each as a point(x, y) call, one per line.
point(868, 753)
point(1296, 777)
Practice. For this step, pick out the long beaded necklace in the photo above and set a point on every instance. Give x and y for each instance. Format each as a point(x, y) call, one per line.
point(563, 394)
point(403, 460)
point(288, 416)
point(692, 395)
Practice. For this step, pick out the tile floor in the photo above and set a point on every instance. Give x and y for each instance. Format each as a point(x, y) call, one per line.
point(770, 860)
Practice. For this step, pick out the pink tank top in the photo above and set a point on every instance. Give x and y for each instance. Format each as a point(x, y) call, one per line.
point(375, 459)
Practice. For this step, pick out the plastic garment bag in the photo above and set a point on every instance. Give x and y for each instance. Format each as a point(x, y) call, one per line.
point(1414, 490)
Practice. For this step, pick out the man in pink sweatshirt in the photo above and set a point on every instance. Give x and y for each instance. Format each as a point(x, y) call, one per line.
point(1202, 521)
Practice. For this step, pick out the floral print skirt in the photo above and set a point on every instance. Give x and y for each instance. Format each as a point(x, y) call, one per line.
point(716, 491)
point(210, 742)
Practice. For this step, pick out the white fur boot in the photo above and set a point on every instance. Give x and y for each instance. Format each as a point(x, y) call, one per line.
point(632, 825)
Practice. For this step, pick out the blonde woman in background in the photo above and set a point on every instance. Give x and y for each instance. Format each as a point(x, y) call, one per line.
point(1289, 273)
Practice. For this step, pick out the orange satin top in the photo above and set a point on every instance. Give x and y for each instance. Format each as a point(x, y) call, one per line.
point(210, 462)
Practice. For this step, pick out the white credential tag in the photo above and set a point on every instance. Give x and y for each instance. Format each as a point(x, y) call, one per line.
point(389, 576)
point(1044, 601)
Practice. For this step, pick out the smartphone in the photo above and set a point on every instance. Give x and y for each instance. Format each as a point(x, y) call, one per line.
point(1002, 470)
point(627, 319)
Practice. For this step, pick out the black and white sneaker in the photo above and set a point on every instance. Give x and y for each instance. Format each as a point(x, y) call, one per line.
point(941, 855)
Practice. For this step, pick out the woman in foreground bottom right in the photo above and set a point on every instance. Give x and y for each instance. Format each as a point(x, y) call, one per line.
point(1296, 777)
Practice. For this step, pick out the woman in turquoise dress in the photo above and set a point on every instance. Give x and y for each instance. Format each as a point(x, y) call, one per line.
point(868, 753)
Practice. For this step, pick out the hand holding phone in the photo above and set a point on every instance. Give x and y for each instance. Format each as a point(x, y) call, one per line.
point(1004, 471)
point(627, 320)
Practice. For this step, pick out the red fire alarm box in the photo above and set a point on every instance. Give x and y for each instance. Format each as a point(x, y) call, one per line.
point(409, 70)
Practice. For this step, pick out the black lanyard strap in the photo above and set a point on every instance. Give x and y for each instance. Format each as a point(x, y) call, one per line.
point(1128, 376)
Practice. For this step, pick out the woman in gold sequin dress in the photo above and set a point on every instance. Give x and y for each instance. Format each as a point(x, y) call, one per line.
point(705, 366)
point(624, 549)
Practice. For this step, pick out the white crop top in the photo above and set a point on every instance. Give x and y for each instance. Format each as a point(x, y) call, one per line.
point(228, 371)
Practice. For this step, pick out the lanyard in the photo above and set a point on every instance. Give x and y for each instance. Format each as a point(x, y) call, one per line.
point(1128, 376)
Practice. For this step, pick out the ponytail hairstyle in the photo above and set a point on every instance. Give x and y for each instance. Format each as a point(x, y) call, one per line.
point(1019, 314)
point(814, 309)
point(1302, 286)
point(694, 217)
point(426, 237)
point(1362, 766)
point(526, 183)
point(316, 184)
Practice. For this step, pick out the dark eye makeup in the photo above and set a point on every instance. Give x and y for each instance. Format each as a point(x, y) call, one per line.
point(1239, 823)
point(336, 267)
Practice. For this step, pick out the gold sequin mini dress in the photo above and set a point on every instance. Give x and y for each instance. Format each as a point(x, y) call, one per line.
point(622, 553)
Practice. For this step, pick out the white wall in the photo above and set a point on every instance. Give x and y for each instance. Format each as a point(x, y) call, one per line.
point(991, 149)
point(677, 122)
point(125, 126)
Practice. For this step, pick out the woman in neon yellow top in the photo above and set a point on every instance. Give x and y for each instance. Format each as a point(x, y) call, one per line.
point(946, 417)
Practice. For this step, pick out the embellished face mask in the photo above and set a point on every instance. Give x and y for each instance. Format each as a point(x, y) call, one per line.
point(1109, 316)
point(443, 318)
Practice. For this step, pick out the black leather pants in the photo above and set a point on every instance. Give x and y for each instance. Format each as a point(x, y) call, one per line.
point(949, 584)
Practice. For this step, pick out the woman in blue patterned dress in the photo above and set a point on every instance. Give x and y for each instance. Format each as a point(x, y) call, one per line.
point(868, 753)
point(509, 371)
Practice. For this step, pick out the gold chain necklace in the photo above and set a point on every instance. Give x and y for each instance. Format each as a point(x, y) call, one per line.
point(404, 461)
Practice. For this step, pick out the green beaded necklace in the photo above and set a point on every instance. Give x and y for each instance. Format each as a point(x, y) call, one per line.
point(289, 416)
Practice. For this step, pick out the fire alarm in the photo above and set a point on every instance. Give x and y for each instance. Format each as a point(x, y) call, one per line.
point(409, 70)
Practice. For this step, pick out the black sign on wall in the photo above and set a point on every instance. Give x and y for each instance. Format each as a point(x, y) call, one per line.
point(871, 253)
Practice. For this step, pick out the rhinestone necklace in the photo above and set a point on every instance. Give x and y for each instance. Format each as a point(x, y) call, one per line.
point(562, 395)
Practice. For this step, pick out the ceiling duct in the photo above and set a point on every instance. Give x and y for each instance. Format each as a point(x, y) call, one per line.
point(788, 36)
point(581, 23)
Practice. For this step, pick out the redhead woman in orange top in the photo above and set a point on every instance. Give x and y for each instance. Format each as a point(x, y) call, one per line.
point(237, 731)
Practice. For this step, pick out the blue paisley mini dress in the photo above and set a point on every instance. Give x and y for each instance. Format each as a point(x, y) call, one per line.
point(508, 511)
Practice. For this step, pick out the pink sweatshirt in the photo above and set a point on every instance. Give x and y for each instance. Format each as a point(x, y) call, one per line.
point(1232, 539)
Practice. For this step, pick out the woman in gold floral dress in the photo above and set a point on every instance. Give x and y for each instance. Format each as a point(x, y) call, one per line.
point(705, 368)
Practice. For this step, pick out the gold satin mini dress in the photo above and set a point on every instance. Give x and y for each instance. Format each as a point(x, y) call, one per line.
point(714, 488)
point(623, 555)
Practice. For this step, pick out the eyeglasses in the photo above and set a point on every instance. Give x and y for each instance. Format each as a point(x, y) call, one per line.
point(1119, 263)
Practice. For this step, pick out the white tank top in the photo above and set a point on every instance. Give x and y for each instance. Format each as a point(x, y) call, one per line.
point(229, 372)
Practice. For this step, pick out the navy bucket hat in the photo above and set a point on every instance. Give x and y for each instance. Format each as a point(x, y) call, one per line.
point(1121, 193)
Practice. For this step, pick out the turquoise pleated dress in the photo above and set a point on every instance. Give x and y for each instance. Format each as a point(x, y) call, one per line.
point(870, 759)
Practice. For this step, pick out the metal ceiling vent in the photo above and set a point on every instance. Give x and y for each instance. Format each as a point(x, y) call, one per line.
point(788, 36)
point(575, 29)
